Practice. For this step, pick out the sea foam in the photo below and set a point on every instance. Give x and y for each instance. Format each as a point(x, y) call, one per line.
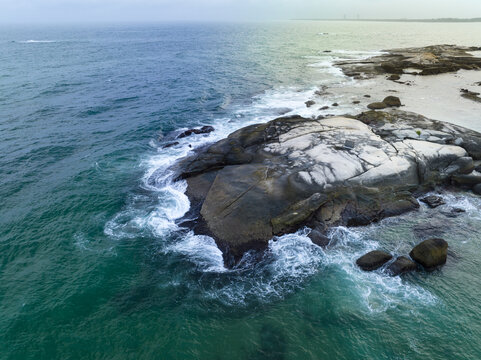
point(290, 259)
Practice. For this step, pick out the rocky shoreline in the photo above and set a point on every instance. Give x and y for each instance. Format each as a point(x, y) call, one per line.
point(270, 179)
point(429, 60)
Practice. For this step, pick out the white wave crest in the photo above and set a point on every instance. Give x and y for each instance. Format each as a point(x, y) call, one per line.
point(36, 41)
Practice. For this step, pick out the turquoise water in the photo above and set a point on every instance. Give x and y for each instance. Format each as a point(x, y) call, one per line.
point(94, 262)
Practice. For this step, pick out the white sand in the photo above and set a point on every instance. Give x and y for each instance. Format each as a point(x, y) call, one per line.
point(437, 97)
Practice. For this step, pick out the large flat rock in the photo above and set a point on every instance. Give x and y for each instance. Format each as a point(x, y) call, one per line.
point(428, 60)
point(269, 179)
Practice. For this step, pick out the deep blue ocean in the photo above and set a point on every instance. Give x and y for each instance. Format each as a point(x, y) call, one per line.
point(94, 263)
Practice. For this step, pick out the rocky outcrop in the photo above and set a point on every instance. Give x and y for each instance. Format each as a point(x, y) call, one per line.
point(433, 201)
point(429, 60)
point(373, 260)
point(430, 253)
point(203, 130)
point(390, 101)
point(270, 179)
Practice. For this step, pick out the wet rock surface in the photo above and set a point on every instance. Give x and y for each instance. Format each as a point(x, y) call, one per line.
point(433, 201)
point(401, 265)
point(377, 105)
point(430, 253)
point(373, 260)
point(429, 60)
point(392, 101)
point(273, 178)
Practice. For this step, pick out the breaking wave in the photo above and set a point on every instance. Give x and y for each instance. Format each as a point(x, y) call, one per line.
point(291, 260)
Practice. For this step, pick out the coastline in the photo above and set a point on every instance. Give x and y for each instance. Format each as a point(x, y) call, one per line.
point(100, 256)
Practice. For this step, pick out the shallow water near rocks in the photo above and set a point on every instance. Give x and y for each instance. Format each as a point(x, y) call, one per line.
point(94, 261)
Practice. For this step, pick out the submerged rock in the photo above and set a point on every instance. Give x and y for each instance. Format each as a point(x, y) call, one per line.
point(453, 213)
point(270, 179)
point(309, 103)
point(430, 253)
point(394, 77)
point(436, 227)
point(433, 201)
point(168, 145)
point(477, 189)
point(401, 265)
point(471, 95)
point(373, 260)
point(203, 130)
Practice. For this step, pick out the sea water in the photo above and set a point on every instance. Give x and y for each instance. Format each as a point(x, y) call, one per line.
point(95, 262)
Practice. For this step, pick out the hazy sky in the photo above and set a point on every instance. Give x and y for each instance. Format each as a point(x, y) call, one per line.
point(155, 10)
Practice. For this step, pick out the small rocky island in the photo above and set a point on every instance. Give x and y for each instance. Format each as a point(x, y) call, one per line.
point(270, 179)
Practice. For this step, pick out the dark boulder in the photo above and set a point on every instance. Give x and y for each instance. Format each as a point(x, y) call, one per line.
point(318, 238)
point(309, 103)
point(477, 189)
point(394, 77)
point(356, 102)
point(324, 108)
point(377, 106)
point(433, 201)
point(373, 260)
point(401, 265)
point(335, 104)
point(430, 253)
point(203, 130)
point(392, 101)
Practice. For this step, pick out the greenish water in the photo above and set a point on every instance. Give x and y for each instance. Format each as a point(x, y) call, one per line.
point(93, 261)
